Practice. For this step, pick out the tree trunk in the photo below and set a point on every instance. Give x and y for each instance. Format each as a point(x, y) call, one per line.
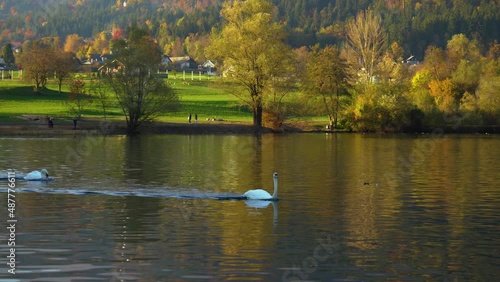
point(131, 129)
point(257, 118)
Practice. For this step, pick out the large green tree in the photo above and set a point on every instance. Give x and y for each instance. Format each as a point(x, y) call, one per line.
point(251, 49)
point(141, 95)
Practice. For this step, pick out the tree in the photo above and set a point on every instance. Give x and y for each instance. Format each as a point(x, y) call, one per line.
point(382, 107)
point(250, 47)
point(488, 97)
point(327, 77)
point(141, 95)
point(195, 46)
point(77, 99)
point(278, 103)
point(459, 48)
point(63, 64)
point(435, 61)
point(101, 43)
point(366, 38)
point(73, 44)
point(37, 65)
point(8, 55)
point(98, 91)
point(444, 96)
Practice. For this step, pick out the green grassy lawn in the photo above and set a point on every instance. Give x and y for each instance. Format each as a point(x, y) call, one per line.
point(202, 96)
point(197, 97)
point(206, 100)
point(17, 98)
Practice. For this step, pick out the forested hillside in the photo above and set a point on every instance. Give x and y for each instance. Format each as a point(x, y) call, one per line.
point(414, 24)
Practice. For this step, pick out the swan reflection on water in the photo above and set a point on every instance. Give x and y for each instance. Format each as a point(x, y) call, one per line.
point(258, 204)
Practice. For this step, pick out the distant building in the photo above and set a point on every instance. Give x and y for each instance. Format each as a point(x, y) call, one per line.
point(183, 63)
point(165, 61)
point(16, 47)
point(411, 61)
point(98, 58)
point(209, 67)
point(110, 67)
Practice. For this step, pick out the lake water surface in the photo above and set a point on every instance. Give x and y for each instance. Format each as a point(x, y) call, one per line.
point(353, 208)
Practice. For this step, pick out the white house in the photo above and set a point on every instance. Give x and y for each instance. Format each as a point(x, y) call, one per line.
point(209, 67)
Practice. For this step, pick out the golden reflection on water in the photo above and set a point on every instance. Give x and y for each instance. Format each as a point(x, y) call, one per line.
point(408, 206)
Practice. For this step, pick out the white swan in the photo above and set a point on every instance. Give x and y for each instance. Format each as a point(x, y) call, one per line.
point(37, 175)
point(260, 194)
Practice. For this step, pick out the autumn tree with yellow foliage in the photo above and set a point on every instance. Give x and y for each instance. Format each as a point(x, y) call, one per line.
point(251, 50)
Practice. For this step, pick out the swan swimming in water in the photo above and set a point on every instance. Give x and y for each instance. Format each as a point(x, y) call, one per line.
point(260, 194)
point(37, 175)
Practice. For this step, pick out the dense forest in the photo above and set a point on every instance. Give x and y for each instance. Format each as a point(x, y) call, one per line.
point(413, 24)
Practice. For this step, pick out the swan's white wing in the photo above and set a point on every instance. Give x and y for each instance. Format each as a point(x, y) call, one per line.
point(33, 175)
point(257, 194)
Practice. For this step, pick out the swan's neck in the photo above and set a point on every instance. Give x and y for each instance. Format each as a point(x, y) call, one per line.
point(275, 194)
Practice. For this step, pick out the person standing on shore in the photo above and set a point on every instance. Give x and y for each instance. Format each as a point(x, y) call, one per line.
point(195, 118)
point(75, 120)
point(189, 118)
point(51, 123)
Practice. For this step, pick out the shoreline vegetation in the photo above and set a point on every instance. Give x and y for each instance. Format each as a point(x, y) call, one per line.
point(24, 113)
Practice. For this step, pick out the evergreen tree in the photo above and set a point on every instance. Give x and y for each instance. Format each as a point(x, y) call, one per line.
point(8, 55)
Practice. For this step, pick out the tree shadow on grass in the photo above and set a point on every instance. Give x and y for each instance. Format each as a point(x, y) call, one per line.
point(23, 93)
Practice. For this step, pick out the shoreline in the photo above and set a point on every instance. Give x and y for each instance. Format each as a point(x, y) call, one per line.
point(91, 127)
point(119, 128)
